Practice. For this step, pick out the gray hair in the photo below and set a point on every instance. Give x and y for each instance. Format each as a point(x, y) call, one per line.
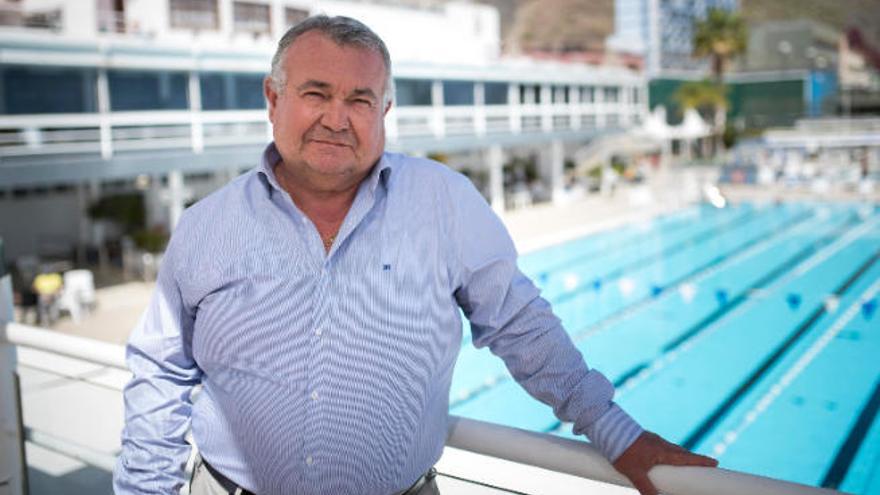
point(345, 31)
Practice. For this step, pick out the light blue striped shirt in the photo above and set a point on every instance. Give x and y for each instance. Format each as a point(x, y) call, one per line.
point(330, 373)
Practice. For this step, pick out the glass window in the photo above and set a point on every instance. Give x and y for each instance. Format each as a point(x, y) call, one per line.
point(413, 92)
point(226, 91)
point(495, 93)
point(213, 92)
point(611, 94)
point(251, 17)
point(560, 94)
point(47, 90)
point(294, 16)
point(458, 93)
point(530, 94)
point(136, 90)
point(249, 91)
point(194, 14)
point(588, 94)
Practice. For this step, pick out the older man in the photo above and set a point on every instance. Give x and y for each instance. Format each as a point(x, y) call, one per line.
point(315, 300)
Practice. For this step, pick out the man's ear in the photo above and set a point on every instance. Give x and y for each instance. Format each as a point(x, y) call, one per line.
point(387, 108)
point(271, 96)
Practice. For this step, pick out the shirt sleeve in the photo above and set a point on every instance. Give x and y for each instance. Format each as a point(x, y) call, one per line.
point(508, 315)
point(158, 399)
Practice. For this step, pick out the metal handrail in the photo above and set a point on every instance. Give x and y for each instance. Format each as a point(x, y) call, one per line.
point(541, 450)
point(581, 459)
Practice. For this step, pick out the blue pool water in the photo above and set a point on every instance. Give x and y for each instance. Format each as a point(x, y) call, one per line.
point(750, 333)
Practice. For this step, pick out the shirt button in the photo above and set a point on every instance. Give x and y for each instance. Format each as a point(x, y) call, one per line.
point(314, 395)
point(309, 460)
point(318, 332)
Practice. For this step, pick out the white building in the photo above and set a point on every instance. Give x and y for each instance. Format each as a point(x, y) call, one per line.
point(99, 97)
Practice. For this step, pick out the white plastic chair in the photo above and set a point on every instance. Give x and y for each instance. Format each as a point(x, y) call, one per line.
point(78, 295)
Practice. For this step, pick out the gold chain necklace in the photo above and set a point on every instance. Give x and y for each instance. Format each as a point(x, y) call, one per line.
point(328, 242)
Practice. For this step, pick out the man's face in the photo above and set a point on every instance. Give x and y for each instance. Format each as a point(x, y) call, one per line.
point(328, 121)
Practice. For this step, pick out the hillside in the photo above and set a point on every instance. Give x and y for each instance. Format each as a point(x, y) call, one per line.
point(841, 14)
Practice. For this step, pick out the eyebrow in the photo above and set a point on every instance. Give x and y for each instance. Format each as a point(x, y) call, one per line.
point(314, 84)
point(311, 83)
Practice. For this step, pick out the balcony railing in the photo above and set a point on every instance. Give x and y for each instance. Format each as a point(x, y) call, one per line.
point(107, 134)
point(541, 450)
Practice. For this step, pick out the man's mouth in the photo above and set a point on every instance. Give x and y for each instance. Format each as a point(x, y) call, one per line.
point(331, 143)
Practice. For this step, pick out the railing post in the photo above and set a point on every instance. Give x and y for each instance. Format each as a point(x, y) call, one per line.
point(13, 474)
point(197, 133)
point(104, 126)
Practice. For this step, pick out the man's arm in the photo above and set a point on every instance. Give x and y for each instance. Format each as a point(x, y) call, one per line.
point(158, 398)
point(508, 315)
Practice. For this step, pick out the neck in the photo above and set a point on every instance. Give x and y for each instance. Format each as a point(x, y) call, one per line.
point(325, 207)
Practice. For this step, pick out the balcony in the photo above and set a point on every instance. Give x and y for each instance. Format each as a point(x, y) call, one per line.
point(72, 413)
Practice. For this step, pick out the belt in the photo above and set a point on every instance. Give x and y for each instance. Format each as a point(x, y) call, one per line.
point(425, 478)
point(233, 489)
point(230, 486)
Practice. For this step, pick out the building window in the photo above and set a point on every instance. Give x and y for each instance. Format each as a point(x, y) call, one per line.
point(560, 94)
point(47, 90)
point(294, 16)
point(413, 92)
point(138, 90)
point(530, 94)
point(194, 14)
point(588, 94)
point(227, 91)
point(458, 93)
point(251, 18)
point(635, 96)
point(611, 94)
point(495, 93)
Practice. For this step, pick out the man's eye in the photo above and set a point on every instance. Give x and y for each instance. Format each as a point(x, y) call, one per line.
point(313, 95)
point(363, 102)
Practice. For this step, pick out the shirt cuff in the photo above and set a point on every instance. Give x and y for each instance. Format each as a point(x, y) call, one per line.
point(613, 432)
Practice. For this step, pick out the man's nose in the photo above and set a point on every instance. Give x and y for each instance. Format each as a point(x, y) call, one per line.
point(335, 116)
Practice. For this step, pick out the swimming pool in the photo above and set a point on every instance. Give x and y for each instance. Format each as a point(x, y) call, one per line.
point(748, 333)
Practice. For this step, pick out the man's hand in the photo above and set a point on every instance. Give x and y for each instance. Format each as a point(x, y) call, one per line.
point(650, 450)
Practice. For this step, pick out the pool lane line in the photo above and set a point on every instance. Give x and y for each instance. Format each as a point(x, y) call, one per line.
point(661, 361)
point(703, 429)
point(642, 370)
point(692, 241)
point(762, 283)
point(737, 251)
point(740, 298)
point(847, 453)
point(795, 370)
point(734, 253)
point(679, 223)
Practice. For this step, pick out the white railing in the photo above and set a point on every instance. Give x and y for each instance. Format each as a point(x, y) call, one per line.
point(535, 449)
point(29, 135)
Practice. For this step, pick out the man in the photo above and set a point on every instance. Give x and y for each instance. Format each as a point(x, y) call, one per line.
point(315, 300)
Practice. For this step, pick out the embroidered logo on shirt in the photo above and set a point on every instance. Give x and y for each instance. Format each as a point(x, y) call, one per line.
point(386, 267)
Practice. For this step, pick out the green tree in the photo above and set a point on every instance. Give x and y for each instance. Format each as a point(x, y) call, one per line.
point(721, 36)
point(704, 96)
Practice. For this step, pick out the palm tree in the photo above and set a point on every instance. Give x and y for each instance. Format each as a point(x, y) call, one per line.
point(722, 35)
point(704, 96)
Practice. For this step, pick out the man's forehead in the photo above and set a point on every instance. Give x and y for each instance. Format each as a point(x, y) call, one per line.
point(315, 56)
point(312, 42)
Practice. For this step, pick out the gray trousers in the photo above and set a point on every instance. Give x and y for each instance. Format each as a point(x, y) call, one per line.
point(203, 483)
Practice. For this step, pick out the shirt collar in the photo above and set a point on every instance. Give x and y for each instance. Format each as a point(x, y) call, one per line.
point(380, 173)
